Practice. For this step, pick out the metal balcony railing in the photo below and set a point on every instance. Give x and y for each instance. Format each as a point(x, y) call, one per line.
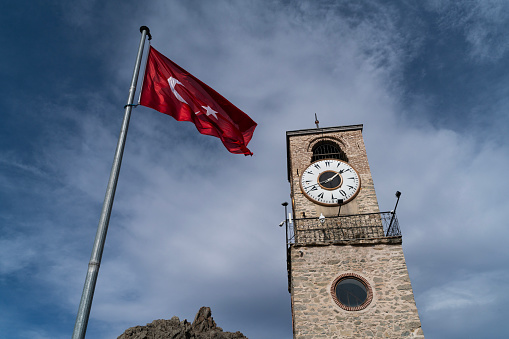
point(341, 228)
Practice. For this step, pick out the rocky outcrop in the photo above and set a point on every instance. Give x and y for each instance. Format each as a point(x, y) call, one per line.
point(203, 327)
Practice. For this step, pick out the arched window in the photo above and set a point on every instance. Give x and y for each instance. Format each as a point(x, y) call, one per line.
point(327, 150)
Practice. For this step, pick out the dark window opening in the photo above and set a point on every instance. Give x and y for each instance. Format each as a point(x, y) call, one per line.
point(327, 150)
point(351, 292)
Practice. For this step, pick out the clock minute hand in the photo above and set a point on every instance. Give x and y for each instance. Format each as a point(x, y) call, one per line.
point(323, 182)
point(310, 186)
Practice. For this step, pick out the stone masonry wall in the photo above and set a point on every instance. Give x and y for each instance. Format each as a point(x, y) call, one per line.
point(391, 314)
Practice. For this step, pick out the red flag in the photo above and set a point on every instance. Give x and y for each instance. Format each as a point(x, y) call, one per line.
point(170, 89)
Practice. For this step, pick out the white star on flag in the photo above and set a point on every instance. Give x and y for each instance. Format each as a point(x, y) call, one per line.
point(210, 111)
point(173, 82)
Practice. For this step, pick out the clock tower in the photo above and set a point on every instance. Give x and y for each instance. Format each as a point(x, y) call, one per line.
point(346, 271)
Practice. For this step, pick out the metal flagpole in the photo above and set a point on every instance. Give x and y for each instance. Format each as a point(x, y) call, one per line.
point(80, 326)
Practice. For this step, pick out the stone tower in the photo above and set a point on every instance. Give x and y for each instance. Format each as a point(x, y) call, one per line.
point(346, 271)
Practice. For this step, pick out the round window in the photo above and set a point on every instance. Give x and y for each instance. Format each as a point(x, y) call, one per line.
point(351, 292)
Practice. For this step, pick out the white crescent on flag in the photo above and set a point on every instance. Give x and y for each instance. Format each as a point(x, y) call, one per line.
point(173, 82)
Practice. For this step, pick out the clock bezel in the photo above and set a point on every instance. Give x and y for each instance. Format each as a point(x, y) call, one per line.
point(342, 179)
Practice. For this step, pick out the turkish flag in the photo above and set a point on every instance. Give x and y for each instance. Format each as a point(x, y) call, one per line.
point(170, 89)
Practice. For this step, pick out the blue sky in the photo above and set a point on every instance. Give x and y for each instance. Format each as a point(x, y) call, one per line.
point(193, 225)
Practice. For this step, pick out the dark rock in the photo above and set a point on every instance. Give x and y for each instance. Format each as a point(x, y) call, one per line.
point(203, 327)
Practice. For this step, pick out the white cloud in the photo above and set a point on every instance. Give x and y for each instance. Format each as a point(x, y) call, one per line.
point(468, 292)
point(482, 22)
point(16, 253)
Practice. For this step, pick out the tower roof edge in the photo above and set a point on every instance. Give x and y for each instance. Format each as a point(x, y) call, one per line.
point(324, 130)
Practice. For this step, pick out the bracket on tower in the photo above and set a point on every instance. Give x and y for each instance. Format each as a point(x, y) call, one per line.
point(288, 262)
point(393, 212)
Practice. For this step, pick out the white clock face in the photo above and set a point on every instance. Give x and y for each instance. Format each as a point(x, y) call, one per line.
point(329, 181)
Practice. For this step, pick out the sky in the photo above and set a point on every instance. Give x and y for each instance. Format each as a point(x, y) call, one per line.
point(194, 225)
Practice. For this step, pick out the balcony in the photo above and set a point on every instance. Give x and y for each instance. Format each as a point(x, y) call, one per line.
point(357, 228)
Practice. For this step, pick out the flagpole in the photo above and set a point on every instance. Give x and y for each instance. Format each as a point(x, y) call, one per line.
point(80, 326)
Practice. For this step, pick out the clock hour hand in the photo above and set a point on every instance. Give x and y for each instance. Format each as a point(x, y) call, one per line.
point(328, 180)
point(323, 182)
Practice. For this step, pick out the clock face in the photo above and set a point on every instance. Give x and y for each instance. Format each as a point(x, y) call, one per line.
point(328, 181)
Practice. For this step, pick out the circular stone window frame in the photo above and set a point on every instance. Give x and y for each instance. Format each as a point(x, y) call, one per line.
point(358, 277)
